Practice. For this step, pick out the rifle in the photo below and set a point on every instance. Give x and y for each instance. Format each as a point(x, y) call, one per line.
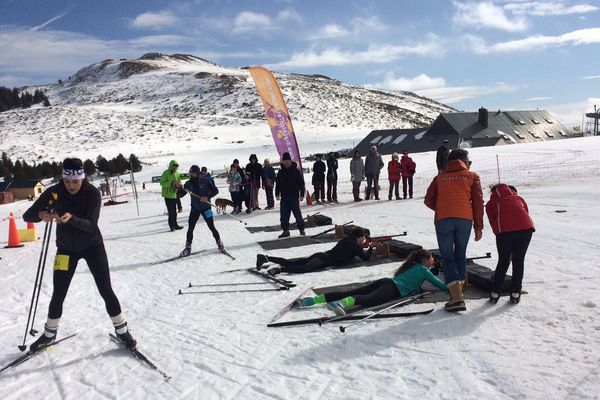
point(380, 239)
point(487, 255)
point(330, 229)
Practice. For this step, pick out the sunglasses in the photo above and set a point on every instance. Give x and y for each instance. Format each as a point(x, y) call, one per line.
point(469, 163)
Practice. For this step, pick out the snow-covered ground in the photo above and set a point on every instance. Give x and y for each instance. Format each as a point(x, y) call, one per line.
point(218, 346)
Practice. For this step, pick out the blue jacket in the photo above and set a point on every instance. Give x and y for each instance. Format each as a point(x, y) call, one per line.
point(203, 186)
point(412, 279)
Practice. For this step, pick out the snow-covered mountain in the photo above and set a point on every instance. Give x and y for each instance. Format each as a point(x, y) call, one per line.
point(159, 98)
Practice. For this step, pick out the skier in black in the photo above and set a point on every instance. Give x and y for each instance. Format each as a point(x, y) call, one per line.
point(289, 187)
point(332, 166)
point(318, 179)
point(201, 187)
point(342, 253)
point(74, 204)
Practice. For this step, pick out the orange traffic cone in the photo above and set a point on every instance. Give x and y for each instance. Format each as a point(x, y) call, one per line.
point(13, 235)
point(309, 198)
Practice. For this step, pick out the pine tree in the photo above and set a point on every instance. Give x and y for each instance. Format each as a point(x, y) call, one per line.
point(134, 163)
point(89, 167)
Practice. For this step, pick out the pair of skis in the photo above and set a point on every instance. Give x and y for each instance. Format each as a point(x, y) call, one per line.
point(179, 257)
point(280, 284)
point(135, 352)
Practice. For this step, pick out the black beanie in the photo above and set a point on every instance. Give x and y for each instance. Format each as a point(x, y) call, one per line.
point(358, 232)
point(286, 156)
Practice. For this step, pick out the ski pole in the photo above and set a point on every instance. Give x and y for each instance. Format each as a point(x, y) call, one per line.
point(237, 291)
point(22, 347)
point(208, 202)
point(32, 332)
point(230, 284)
point(344, 328)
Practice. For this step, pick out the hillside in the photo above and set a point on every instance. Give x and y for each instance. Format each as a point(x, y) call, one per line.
point(158, 99)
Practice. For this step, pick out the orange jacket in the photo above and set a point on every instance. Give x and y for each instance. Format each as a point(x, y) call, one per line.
point(456, 194)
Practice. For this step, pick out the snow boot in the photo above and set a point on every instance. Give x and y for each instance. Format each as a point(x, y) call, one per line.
point(494, 297)
point(261, 259)
point(274, 271)
point(302, 233)
point(284, 234)
point(457, 301)
point(515, 297)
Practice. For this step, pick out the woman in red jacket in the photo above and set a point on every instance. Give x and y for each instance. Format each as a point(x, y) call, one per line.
point(513, 227)
point(394, 176)
point(407, 168)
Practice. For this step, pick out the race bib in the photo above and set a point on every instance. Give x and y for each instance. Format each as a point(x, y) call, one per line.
point(208, 213)
point(61, 262)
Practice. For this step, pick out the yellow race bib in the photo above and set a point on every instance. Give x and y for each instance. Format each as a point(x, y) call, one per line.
point(61, 262)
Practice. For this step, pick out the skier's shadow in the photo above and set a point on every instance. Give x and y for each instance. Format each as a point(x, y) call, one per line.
point(437, 326)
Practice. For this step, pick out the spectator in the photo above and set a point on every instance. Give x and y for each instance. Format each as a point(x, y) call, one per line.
point(269, 177)
point(441, 158)
point(318, 179)
point(289, 187)
point(407, 168)
point(235, 180)
point(357, 174)
point(373, 164)
point(255, 171)
point(170, 182)
point(394, 176)
point(332, 166)
point(457, 200)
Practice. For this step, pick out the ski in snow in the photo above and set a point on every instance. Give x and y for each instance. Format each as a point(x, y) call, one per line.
point(227, 253)
point(287, 308)
point(179, 257)
point(21, 359)
point(137, 354)
point(270, 277)
point(349, 317)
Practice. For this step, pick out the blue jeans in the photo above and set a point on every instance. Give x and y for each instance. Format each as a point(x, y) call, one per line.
point(453, 236)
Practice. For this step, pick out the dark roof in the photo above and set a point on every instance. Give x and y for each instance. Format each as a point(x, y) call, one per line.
point(390, 141)
point(503, 126)
point(23, 184)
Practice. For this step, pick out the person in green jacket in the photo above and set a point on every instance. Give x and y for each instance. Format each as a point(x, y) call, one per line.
point(170, 182)
point(407, 279)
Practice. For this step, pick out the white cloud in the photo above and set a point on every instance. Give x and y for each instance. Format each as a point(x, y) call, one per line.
point(248, 20)
point(456, 94)
point(539, 98)
point(486, 15)
point(538, 8)
point(571, 114)
point(329, 31)
point(374, 54)
point(419, 82)
point(591, 77)
point(368, 24)
point(289, 14)
point(578, 37)
point(154, 20)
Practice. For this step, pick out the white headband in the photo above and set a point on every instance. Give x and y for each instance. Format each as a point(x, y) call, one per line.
point(74, 174)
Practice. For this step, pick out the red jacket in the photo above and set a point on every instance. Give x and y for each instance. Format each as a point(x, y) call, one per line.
point(394, 171)
point(507, 211)
point(407, 166)
point(456, 194)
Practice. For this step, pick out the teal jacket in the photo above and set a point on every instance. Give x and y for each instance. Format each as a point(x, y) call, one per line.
point(412, 279)
point(166, 182)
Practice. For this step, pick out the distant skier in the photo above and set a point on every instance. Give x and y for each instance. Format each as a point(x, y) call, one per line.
point(269, 178)
point(202, 188)
point(75, 206)
point(407, 168)
point(342, 253)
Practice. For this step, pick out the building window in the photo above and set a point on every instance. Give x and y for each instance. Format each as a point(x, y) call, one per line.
point(535, 121)
point(376, 139)
point(549, 121)
point(535, 135)
point(549, 134)
point(561, 133)
point(519, 135)
point(521, 122)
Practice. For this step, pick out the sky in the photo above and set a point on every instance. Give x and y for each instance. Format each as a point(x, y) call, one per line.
point(500, 54)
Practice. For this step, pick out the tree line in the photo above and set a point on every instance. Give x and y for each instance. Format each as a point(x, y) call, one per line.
point(11, 98)
point(21, 170)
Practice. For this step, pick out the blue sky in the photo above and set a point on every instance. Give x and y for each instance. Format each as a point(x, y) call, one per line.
point(502, 54)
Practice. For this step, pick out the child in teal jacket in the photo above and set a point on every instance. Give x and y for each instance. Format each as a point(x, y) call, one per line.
point(407, 279)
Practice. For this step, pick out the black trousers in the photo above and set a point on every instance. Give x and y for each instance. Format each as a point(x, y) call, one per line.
point(270, 198)
point(331, 188)
point(407, 180)
point(372, 294)
point(98, 264)
point(172, 210)
point(235, 198)
point(394, 185)
point(287, 206)
point(373, 186)
point(302, 265)
point(319, 187)
point(512, 246)
point(193, 219)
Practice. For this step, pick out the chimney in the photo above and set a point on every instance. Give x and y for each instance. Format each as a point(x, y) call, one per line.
point(483, 117)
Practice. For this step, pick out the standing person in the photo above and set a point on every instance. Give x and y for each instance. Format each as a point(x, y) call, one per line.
point(75, 206)
point(357, 174)
point(234, 180)
point(201, 188)
point(318, 179)
point(394, 176)
point(373, 164)
point(441, 158)
point(269, 177)
point(255, 171)
point(170, 182)
point(289, 187)
point(407, 168)
point(457, 200)
point(407, 279)
point(341, 254)
point(332, 166)
point(244, 186)
point(509, 217)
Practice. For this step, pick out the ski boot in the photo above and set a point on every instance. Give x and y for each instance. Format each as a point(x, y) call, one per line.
point(220, 245)
point(261, 259)
point(47, 338)
point(310, 301)
point(515, 297)
point(125, 336)
point(494, 297)
point(284, 234)
point(186, 251)
point(340, 307)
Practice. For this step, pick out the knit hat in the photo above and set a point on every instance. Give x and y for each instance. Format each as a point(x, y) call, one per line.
point(73, 169)
point(358, 232)
point(286, 156)
point(195, 169)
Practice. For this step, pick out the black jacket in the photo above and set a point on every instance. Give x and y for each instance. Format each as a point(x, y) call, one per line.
point(441, 158)
point(345, 250)
point(202, 186)
point(290, 182)
point(318, 172)
point(256, 172)
point(332, 166)
point(81, 232)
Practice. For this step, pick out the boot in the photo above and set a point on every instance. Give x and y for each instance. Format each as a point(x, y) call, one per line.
point(274, 271)
point(220, 245)
point(302, 233)
point(310, 301)
point(457, 301)
point(341, 307)
point(494, 297)
point(124, 336)
point(48, 337)
point(260, 260)
point(186, 251)
point(515, 297)
point(284, 234)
